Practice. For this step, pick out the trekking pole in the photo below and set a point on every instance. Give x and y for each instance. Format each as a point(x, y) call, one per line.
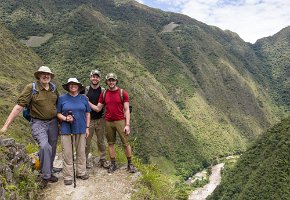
point(72, 149)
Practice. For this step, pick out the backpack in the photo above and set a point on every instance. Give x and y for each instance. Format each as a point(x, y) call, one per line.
point(121, 96)
point(26, 110)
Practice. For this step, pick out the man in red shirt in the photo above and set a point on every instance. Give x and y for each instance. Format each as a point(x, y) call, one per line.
point(117, 118)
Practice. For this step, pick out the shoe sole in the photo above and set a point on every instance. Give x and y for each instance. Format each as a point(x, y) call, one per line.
point(82, 178)
point(69, 183)
point(111, 171)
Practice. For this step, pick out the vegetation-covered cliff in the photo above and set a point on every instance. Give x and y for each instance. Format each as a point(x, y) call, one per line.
point(263, 171)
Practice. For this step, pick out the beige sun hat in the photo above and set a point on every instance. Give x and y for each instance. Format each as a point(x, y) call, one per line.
point(44, 69)
point(73, 80)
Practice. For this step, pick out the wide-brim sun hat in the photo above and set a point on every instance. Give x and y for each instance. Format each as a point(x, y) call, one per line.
point(75, 81)
point(111, 76)
point(95, 72)
point(43, 69)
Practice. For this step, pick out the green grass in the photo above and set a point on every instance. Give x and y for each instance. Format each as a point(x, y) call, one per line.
point(166, 166)
point(153, 184)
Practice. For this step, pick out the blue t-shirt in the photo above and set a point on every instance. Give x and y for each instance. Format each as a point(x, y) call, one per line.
point(79, 106)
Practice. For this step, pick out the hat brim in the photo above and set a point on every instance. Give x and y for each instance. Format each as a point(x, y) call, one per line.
point(36, 74)
point(96, 74)
point(111, 78)
point(66, 86)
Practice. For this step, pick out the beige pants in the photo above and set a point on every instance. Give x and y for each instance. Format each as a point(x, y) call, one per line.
point(80, 161)
point(97, 126)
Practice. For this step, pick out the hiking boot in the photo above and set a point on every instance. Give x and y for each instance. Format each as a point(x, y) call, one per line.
point(43, 183)
point(89, 165)
point(52, 179)
point(112, 168)
point(56, 170)
point(84, 177)
point(103, 163)
point(67, 182)
point(131, 168)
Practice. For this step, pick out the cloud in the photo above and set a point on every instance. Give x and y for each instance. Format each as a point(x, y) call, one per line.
point(251, 19)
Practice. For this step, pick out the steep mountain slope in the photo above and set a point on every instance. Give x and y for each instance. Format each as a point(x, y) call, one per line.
point(17, 64)
point(274, 52)
point(195, 90)
point(263, 171)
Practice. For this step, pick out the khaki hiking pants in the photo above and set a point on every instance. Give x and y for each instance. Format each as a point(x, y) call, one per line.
point(97, 126)
point(80, 160)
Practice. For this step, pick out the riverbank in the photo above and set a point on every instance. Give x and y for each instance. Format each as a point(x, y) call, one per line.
point(214, 181)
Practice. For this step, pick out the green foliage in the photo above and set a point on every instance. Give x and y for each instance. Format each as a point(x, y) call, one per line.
point(31, 148)
point(263, 171)
point(153, 185)
point(274, 52)
point(120, 155)
point(183, 190)
point(17, 66)
point(25, 186)
point(26, 180)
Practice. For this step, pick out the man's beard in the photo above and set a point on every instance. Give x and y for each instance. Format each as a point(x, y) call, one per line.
point(95, 84)
point(112, 87)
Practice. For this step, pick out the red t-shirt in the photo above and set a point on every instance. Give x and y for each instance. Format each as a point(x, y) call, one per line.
point(114, 105)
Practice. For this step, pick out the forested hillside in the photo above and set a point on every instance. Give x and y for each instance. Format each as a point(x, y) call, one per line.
point(17, 64)
point(197, 92)
point(274, 52)
point(263, 171)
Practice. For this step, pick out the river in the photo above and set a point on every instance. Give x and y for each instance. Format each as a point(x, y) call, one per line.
point(214, 181)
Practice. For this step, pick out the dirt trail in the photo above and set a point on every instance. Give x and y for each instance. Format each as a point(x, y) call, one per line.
point(214, 181)
point(100, 185)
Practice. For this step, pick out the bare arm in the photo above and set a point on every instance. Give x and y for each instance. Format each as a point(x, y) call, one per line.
point(96, 108)
point(14, 113)
point(127, 116)
point(68, 118)
point(88, 119)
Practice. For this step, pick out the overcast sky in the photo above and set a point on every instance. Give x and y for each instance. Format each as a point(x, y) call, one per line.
point(251, 19)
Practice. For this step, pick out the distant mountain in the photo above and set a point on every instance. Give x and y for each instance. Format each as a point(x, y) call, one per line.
point(197, 92)
point(263, 172)
point(274, 52)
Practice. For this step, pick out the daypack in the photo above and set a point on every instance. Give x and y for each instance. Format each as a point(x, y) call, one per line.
point(26, 110)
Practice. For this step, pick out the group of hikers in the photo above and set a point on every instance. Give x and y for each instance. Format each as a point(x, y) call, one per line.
point(75, 116)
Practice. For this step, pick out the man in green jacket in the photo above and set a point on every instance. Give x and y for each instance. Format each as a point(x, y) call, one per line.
point(43, 121)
